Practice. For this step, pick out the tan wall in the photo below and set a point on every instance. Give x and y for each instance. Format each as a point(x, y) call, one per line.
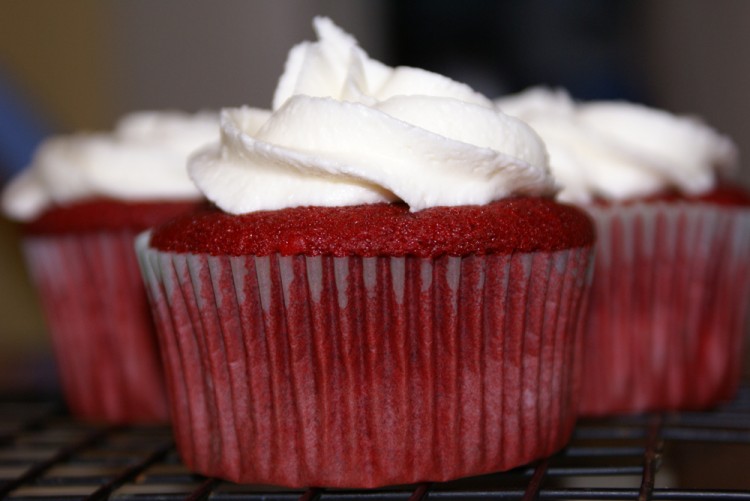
point(55, 51)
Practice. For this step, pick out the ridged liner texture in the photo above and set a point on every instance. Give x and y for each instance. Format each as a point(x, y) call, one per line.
point(100, 324)
point(668, 308)
point(361, 372)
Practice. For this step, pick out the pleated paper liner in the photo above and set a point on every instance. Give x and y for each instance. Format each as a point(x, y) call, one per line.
point(359, 372)
point(669, 307)
point(100, 325)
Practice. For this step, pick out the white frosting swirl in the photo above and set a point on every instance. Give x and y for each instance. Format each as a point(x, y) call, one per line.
point(142, 159)
point(348, 130)
point(620, 150)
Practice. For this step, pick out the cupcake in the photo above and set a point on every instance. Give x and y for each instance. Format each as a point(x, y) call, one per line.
point(384, 291)
point(80, 205)
point(669, 304)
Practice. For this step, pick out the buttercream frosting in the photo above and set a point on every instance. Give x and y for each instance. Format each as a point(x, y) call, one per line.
point(620, 150)
point(143, 158)
point(345, 129)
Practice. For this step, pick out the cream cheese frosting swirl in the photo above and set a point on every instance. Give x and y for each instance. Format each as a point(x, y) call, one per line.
point(619, 150)
point(346, 130)
point(142, 159)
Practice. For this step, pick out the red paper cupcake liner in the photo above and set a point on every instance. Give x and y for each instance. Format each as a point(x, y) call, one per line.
point(359, 372)
point(669, 307)
point(100, 324)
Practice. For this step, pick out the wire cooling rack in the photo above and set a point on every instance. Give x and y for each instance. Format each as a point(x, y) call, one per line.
point(46, 455)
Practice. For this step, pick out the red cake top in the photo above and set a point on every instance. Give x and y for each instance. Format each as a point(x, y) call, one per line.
point(100, 214)
point(520, 224)
point(725, 195)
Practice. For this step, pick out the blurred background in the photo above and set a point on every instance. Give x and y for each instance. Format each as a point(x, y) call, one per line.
point(80, 64)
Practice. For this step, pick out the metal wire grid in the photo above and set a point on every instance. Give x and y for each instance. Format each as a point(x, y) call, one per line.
point(45, 455)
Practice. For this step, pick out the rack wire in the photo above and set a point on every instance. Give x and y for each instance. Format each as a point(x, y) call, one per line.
point(46, 455)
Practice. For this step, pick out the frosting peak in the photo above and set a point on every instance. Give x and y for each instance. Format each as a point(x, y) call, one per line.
point(347, 130)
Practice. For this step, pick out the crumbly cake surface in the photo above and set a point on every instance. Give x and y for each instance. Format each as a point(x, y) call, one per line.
point(726, 195)
point(101, 214)
point(519, 224)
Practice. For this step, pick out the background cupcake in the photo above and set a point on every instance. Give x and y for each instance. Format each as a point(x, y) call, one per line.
point(385, 293)
point(80, 204)
point(670, 295)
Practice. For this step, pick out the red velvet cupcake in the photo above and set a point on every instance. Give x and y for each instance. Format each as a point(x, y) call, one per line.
point(385, 292)
point(367, 345)
point(81, 204)
point(669, 305)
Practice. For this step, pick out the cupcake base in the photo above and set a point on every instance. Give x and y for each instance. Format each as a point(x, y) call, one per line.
point(669, 307)
point(361, 372)
point(100, 325)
